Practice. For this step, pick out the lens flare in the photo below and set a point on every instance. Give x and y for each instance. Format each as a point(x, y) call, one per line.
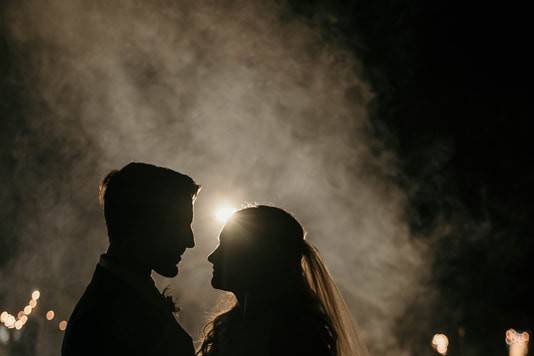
point(27, 310)
point(517, 342)
point(440, 343)
point(224, 213)
point(10, 321)
point(18, 324)
point(50, 315)
point(62, 325)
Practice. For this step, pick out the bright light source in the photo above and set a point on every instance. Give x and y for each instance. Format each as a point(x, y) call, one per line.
point(50, 315)
point(62, 325)
point(517, 342)
point(440, 343)
point(224, 213)
point(19, 324)
point(10, 321)
point(27, 310)
point(36, 295)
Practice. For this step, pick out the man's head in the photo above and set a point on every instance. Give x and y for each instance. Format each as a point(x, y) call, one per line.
point(149, 211)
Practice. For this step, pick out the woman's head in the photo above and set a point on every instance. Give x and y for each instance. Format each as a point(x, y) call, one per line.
point(259, 245)
point(262, 248)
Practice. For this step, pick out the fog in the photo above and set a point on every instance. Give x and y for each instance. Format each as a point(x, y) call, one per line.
point(249, 101)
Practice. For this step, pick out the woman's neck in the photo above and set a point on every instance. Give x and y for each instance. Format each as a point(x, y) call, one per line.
point(259, 300)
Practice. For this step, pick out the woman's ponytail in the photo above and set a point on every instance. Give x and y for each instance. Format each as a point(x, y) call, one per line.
point(321, 283)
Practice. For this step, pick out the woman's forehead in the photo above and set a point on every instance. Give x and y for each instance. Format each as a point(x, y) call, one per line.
point(227, 234)
point(233, 233)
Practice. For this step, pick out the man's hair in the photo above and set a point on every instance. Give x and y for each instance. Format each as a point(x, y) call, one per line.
point(136, 194)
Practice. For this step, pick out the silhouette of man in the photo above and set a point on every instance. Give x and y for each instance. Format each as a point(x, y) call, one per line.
point(148, 212)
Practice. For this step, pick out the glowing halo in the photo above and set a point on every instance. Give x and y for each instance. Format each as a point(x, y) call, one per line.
point(50, 315)
point(440, 343)
point(517, 342)
point(224, 212)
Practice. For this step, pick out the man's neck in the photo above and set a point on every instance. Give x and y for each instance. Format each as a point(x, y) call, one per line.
point(128, 262)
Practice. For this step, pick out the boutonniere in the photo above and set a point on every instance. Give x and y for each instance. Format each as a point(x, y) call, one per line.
point(169, 301)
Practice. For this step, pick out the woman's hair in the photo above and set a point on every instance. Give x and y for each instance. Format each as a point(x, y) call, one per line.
point(320, 294)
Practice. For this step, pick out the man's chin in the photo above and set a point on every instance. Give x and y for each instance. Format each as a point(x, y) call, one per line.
point(216, 283)
point(167, 271)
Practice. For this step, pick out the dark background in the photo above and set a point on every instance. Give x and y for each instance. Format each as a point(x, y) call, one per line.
point(452, 81)
point(452, 84)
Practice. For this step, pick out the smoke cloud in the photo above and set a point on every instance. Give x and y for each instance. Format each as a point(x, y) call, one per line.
point(249, 101)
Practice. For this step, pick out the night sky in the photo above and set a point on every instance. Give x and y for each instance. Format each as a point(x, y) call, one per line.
point(452, 98)
point(453, 83)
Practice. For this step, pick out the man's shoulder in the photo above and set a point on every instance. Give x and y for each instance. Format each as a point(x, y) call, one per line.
point(103, 318)
point(102, 291)
point(113, 312)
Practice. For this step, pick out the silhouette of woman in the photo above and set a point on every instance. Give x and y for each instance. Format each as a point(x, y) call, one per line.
point(286, 302)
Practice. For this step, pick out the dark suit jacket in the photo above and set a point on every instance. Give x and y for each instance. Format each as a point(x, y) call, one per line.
point(114, 317)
